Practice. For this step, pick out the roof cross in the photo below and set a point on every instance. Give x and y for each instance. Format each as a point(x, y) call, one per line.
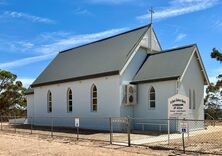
point(151, 14)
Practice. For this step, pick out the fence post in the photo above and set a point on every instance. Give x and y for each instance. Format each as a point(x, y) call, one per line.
point(168, 127)
point(31, 124)
point(1, 123)
point(51, 126)
point(188, 134)
point(111, 130)
point(128, 130)
point(15, 122)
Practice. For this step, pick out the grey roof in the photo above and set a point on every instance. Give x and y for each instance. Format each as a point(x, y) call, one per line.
point(169, 64)
point(103, 57)
point(29, 91)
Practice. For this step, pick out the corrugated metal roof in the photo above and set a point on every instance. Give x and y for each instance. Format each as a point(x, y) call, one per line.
point(169, 64)
point(105, 56)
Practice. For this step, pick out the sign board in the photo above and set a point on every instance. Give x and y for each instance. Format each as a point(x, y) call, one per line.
point(76, 122)
point(119, 120)
point(183, 127)
point(178, 106)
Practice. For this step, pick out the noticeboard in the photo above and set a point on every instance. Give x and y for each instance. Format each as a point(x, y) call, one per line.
point(178, 106)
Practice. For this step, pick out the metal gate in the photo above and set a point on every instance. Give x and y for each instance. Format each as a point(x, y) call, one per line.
point(120, 131)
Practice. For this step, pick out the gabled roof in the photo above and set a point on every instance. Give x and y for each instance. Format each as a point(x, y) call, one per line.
point(165, 65)
point(100, 58)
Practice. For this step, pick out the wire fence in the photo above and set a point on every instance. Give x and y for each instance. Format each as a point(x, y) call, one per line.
point(200, 136)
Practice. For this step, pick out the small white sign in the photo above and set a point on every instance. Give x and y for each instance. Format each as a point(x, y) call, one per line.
point(178, 106)
point(76, 122)
point(183, 127)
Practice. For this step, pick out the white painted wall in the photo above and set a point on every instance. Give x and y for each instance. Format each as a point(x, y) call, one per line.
point(108, 102)
point(194, 80)
point(30, 104)
point(127, 77)
point(163, 90)
point(146, 41)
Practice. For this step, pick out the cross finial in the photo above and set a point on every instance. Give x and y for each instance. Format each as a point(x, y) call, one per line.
point(151, 14)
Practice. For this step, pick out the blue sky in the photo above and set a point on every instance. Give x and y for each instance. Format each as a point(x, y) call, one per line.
point(33, 32)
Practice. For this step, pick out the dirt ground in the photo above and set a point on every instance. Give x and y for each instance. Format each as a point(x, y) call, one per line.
point(24, 144)
point(208, 143)
point(40, 143)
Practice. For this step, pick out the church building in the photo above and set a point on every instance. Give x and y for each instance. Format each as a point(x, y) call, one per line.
point(126, 75)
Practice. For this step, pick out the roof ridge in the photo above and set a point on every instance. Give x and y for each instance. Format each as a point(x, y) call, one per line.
point(173, 49)
point(148, 25)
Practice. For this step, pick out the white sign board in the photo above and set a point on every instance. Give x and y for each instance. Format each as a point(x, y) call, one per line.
point(178, 106)
point(76, 122)
point(183, 127)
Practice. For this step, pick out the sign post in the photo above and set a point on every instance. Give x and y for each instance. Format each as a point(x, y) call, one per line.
point(178, 107)
point(183, 129)
point(77, 127)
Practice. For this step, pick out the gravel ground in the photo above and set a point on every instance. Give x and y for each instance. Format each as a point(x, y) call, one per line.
point(24, 144)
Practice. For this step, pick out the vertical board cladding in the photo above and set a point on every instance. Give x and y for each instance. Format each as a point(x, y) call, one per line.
point(128, 76)
point(108, 103)
point(146, 41)
point(193, 82)
point(163, 90)
point(30, 104)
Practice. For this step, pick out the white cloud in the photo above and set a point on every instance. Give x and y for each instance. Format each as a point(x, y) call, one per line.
point(48, 51)
point(80, 11)
point(26, 81)
point(14, 14)
point(76, 40)
point(180, 37)
point(25, 61)
point(181, 7)
point(214, 73)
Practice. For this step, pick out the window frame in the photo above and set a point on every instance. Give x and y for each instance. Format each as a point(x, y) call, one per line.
point(69, 100)
point(190, 99)
point(49, 102)
point(153, 100)
point(94, 97)
point(194, 100)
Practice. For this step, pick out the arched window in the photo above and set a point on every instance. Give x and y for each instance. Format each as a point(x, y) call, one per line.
point(93, 98)
point(194, 100)
point(49, 100)
point(69, 100)
point(190, 99)
point(152, 99)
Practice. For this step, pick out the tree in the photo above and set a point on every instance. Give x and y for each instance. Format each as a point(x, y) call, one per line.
point(216, 55)
point(213, 99)
point(12, 97)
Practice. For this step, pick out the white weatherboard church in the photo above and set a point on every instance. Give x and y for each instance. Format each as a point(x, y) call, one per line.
point(126, 75)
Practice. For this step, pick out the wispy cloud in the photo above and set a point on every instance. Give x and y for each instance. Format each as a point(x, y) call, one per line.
point(75, 40)
point(180, 37)
point(47, 51)
point(25, 61)
point(181, 7)
point(37, 19)
point(85, 12)
point(218, 23)
point(111, 1)
point(214, 73)
point(26, 81)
